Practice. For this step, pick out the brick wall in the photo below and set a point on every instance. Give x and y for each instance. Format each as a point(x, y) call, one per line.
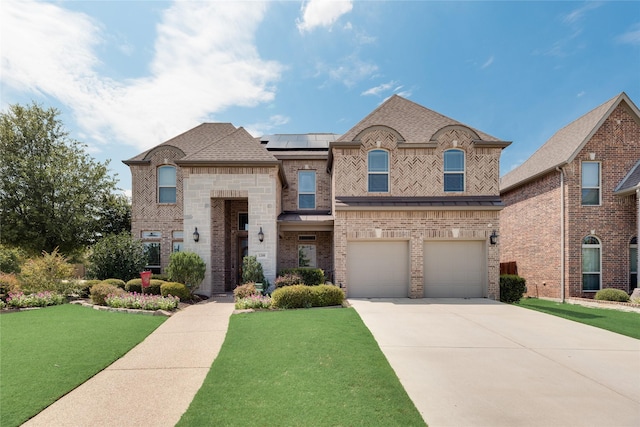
point(288, 249)
point(530, 222)
point(417, 227)
point(149, 215)
point(323, 183)
point(417, 171)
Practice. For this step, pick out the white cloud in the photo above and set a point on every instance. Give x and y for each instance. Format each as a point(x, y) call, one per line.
point(376, 91)
point(581, 94)
point(263, 128)
point(631, 37)
point(577, 14)
point(322, 13)
point(205, 61)
point(488, 62)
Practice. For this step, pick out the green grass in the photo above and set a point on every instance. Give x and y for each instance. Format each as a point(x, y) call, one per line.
point(319, 367)
point(621, 322)
point(48, 352)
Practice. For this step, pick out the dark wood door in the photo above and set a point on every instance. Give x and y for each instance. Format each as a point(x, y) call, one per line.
point(243, 251)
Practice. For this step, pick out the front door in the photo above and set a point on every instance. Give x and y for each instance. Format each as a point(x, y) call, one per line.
point(243, 251)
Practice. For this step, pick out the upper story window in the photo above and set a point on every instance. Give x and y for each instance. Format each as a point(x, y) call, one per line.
point(306, 189)
point(590, 183)
point(378, 171)
point(166, 184)
point(454, 170)
point(591, 263)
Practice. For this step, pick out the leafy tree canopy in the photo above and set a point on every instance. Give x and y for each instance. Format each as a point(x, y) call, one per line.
point(52, 194)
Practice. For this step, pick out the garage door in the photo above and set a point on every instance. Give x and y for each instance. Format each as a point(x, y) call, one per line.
point(454, 269)
point(378, 269)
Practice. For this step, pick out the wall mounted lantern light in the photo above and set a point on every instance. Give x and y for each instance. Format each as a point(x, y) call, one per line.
point(493, 239)
point(196, 235)
point(260, 235)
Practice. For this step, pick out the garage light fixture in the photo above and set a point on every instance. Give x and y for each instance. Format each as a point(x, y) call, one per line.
point(196, 235)
point(260, 235)
point(493, 239)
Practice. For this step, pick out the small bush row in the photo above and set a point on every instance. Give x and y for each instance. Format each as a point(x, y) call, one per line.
point(512, 288)
point(309, 276)
point(142, 301)
point(302, 296)
point(40, 299)
point(611, 294)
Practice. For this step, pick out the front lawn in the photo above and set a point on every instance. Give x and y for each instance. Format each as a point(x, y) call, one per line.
point(319, 367)
point(621, 322)
point(46, 353)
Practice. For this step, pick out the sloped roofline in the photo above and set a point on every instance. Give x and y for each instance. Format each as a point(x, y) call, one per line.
point(551, 166)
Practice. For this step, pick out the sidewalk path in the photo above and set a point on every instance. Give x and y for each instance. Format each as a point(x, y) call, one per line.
point(154, 383)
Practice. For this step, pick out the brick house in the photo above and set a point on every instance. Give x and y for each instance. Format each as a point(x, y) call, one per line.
point(571, 212)
point(402, 205)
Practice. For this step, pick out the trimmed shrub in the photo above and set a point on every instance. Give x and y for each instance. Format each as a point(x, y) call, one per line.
point(310, 276)
point(50, 272)
point(135, 285)
point(512, 288)
point(9, 283)
point(295, 296)
point(288, 279)
point(84, 287)
point(40, 299)
point(611, 294)
point(101, 291)
point(187, 268)
point(327, 295)
point(175, 289)
point(117, 255)
point(252, 271)
point(163, 277)
point(10, 259)
point(116, 282)
point(244, 291)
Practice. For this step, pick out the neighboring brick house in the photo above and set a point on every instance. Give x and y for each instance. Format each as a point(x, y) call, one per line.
point(402, 205)
point(571, 216)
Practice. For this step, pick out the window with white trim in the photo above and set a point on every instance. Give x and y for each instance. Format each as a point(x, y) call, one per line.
point(378, 171)
point(453, 170)
point(590, 183)
point(166, 184)
point(591, 264)
point(306, 189)
point(633, 264)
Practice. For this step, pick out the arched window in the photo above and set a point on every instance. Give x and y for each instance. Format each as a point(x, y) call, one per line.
point(633, 263)
point(454, 170)
point(591, 264)
point(378, 171)
point(166, 184)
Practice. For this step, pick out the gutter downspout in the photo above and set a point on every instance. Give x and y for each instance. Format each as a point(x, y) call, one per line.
point(562, 292)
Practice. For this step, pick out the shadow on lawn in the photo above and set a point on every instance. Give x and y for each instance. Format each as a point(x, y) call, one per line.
point(568, 313)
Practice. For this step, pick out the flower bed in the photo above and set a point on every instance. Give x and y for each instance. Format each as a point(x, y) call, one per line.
point(253, 301)
point(40, 299)
point(142, 301)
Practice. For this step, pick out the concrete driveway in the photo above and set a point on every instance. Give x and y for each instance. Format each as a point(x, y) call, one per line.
point(478, 362)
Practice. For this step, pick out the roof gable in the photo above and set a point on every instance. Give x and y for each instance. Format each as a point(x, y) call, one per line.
point(414, 122)
point(565, 144)
point(631, 182)
point(236, 147)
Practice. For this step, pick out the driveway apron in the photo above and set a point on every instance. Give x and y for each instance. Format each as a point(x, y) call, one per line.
point(477, 362)
point(154, 383)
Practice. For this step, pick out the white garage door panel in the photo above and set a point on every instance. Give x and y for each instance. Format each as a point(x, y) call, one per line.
point(378, 269)
point(454, 269)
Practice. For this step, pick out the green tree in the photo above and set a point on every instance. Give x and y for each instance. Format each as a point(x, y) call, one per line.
point(117, 256)
point(114, 214)
point(51, 191)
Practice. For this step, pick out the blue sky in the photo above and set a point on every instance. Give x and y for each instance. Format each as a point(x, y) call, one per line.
point(128, 75)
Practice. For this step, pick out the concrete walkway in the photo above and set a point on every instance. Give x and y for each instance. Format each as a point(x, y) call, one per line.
point(482, 363)
point(154, 383)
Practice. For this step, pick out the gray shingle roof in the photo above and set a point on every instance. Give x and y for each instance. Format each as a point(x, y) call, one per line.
point(631, 182)
point(237, 147)
point(564, 145)
point(415, 123)
point(193, 140)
